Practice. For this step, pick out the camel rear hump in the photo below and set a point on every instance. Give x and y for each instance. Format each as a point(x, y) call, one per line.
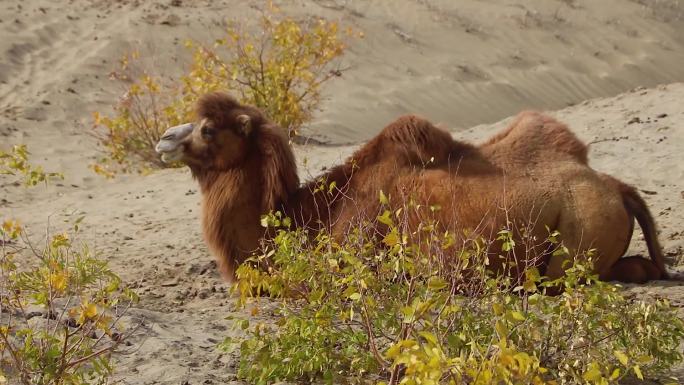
point(537, 135)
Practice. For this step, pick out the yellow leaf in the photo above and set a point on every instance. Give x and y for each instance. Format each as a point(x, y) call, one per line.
point(57, 281)
point(392, 238)
point(385, 218)
point(393, 351)
point(429, 337)
point(592, 375)
point(518, 316)
point(383, 198)
point(637, 371)
point(615, 374)
point(88, 311)
point(506, 359)
point(501, 329)
point(622, 357)
point(644, 359)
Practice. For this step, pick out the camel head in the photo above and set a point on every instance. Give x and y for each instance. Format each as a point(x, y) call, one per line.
point(219, 140)
point(245, 168)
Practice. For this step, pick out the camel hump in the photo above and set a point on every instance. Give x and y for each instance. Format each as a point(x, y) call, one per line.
point(636, 206)
point(533, 132)
point(419, 139)
point(413, 130)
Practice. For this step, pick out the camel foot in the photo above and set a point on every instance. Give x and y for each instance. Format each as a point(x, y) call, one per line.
point(633, 270)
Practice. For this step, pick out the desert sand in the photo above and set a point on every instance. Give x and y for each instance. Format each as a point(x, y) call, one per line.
point(611, 69)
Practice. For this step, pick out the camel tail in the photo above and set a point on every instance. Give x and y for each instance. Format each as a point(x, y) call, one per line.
point(636, 206)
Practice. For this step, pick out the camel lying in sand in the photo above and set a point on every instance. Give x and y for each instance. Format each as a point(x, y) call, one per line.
point(533, 174)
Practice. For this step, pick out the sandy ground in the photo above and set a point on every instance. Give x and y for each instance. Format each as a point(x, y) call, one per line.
point(461, 64)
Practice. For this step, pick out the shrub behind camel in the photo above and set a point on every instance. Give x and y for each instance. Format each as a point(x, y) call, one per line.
point(533, 174)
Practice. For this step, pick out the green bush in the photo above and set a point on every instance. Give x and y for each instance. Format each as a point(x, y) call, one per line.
point(60, 307)
point(390, 311)
point(60, 312)
point(279, 69)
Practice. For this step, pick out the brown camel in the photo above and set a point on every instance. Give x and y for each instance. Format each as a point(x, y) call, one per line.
point(533, 174)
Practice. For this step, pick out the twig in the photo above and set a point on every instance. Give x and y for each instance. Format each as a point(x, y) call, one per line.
point(371, 337)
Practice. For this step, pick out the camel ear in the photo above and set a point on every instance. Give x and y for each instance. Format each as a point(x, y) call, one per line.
point(245, 124)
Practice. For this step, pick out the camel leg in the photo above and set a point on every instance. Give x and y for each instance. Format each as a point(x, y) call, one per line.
point(596, 219)
point(632, 270)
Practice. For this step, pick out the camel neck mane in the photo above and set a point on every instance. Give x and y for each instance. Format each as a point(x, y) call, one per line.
point(234, 199)
point(271, 162)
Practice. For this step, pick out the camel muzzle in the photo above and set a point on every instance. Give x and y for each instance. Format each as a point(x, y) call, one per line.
point(169, 146)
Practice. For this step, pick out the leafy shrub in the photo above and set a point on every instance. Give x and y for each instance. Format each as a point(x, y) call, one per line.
point(16, 163)
point(390, 311)
point(61, 312)
point(279, 69)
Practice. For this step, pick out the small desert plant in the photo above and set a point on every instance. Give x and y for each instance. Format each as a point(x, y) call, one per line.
point(60, 311)
point(60, 307)
point(15, 162)
point(408, 308)
point(280, 68)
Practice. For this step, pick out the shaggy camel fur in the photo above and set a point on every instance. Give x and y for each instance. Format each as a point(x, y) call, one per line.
point(534, 174)
point(534, 140)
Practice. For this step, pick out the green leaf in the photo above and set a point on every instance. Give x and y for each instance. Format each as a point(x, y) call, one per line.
point(244, 324)
point(436, 283)
point(386, 219)
point(518, 316)
point(529, 286)
point(408, 312)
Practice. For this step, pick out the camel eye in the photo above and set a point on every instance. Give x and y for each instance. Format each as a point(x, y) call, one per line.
point(207, 132)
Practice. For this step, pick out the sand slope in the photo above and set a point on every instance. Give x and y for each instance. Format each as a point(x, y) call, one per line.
point(460, 64)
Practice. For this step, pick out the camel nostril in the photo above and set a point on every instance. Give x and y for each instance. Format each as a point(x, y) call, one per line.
point(177, 132)
point(168, 136)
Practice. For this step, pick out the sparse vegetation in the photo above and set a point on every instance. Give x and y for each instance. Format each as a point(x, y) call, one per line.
point(280, 69)
point(60, 312)
point(60, 307)
point(15, 163)
point(391, 311)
